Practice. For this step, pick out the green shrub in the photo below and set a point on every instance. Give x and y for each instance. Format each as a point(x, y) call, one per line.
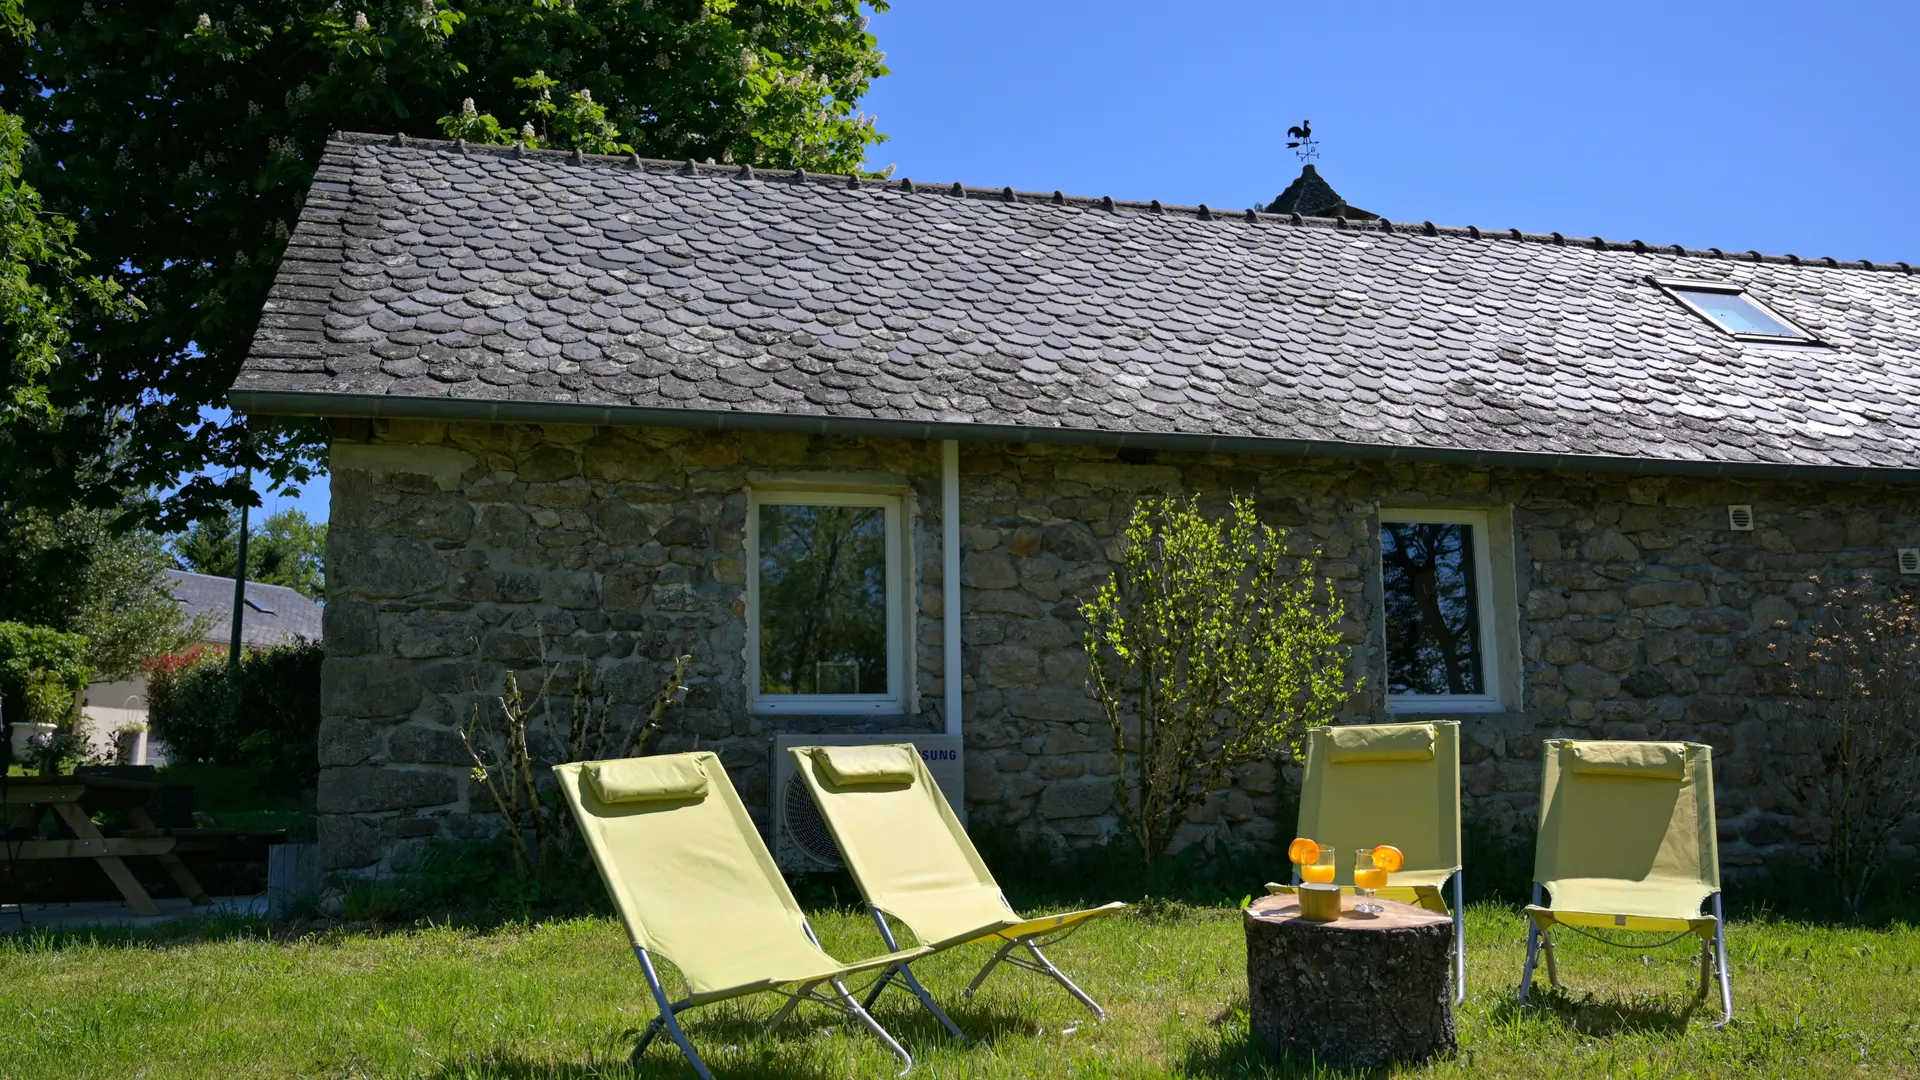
point(42, 672)
point(48, 700)
point(280, 697)
point(1213, 645)
point(41, 669)
point(268, 718)
point(187, 702)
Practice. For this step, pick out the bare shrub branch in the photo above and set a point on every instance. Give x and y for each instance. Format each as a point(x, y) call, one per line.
point(1856, 684)
point(515, 747)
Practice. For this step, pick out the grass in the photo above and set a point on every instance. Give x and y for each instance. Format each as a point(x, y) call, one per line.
point(563, 999)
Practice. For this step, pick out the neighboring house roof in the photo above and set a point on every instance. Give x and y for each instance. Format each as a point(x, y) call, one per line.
point(433, 281)
point(275, 614)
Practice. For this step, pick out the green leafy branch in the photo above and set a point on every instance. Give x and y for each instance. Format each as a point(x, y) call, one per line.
point(578, 123)
point(1208, 649)
point(41, 282)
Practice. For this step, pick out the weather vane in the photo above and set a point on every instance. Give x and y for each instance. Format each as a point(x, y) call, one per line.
point(1301, 141)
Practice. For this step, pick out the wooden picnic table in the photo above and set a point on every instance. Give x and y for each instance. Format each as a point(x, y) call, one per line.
point(72, 800)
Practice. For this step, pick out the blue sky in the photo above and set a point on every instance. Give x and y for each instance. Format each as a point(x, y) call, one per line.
point(1772, 126)
point(1787, 128)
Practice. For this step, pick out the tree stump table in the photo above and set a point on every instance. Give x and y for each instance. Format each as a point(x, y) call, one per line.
point(1360, 992)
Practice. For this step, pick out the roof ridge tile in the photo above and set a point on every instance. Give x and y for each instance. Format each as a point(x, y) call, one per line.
point(690, 167)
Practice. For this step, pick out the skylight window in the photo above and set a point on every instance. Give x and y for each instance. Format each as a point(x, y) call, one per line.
point(1732, 310)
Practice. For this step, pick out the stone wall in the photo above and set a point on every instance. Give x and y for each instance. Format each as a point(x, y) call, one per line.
point(456, 550)
point(458, 553)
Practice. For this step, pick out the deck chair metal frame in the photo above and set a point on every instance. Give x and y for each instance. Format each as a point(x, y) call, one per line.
point(667, 1019)
point(1391, 784)
point(722, 859)
point(1560, 757)
point(946, 853)
point(1004, 955)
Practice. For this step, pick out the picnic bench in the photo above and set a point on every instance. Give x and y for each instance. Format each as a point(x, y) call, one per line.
point(72, 801)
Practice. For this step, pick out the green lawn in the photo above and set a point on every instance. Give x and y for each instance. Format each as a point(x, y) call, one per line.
point(562, 1000)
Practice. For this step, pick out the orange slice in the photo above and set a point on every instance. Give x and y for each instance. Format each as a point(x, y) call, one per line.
point(1389, 858)
point(1303, 851)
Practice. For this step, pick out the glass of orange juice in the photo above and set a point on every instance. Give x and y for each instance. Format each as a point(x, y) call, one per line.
point(1367, 877)
point(1319, 870)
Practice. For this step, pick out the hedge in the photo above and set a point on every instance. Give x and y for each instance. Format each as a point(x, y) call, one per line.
point(36, 653)
point(269, 718)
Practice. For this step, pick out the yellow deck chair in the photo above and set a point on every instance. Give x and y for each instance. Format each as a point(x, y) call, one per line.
point(1628, 841)
point(914, 862)
point(1398, 784)
point(694, 883)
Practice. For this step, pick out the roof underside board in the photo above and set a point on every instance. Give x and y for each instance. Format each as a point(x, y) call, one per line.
point(425, 280)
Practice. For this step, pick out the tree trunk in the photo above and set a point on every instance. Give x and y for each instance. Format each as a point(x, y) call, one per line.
point(1362, 992)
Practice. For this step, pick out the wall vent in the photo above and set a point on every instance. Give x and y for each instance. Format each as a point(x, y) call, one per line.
point(1740, 518)
point(1910, 560)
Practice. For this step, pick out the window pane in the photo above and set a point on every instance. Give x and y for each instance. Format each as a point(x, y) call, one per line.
point(1737, 314)
point(1433, 618)
point(823, 600)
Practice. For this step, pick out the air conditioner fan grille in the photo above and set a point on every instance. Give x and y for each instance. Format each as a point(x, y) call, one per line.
point(805, 827)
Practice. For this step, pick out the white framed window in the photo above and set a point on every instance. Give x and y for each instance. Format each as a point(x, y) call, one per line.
point(1443, 648)
point(825, 601)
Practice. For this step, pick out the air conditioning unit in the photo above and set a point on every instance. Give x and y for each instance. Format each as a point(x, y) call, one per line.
point(801, 840)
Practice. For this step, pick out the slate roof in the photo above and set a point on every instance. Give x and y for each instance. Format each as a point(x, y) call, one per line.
point(431, 280)
point(275, 614)
point(1311, 195)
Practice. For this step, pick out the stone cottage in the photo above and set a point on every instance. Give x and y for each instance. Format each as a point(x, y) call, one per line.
point(858, 445)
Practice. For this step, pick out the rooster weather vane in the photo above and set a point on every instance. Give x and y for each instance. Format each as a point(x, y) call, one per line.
point(1300, 141)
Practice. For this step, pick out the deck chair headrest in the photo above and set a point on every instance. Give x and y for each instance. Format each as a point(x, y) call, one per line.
point(1380, 742)
point(866, 766)
point(1647, 760)
point(646, 779)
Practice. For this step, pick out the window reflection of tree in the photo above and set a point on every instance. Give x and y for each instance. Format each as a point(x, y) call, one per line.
point(1433, 628)
point(823, 595)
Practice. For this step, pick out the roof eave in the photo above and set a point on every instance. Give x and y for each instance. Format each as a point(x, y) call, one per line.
point(382, 406)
